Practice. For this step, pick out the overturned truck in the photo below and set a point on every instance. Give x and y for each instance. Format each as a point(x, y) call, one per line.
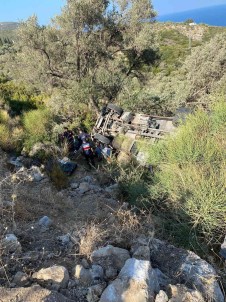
point(121, 129)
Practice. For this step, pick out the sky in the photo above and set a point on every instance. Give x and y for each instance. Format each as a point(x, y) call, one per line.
point(164, 7)
point(17, 10)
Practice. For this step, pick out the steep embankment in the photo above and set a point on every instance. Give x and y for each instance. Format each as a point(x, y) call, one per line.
point(82, 244)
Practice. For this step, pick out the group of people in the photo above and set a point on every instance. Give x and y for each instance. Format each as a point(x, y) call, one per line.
point(83, 142)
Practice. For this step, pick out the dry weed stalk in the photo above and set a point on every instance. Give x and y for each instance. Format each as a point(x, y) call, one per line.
point(90, 237)
point(9, 184)
point(129, 225)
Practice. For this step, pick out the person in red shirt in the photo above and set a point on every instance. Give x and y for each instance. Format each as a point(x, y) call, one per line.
point(88, 153)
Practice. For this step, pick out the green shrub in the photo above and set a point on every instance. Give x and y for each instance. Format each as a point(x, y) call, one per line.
point(19, 98)
point(133, 186)
point(190, 182)
point(11, 139)
point(5, 138)
point(218, 117)
point(37, 125)
point(4, 116)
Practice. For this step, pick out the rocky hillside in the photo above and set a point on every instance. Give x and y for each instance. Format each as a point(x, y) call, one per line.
point(82, 244)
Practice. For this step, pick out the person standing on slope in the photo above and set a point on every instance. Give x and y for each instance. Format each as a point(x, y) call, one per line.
point(88, 153)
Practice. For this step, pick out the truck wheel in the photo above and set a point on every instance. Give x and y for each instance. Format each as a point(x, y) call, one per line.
point(102, 139)
point(115, 108)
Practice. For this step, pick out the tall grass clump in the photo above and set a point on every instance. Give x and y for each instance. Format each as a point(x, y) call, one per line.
point(133, 186)
point(132, 180)
point(37, 125)
point(190, 183)
point(11, 132)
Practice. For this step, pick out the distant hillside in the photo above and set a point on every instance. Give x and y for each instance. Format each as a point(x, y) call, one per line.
point(177, 39)
point(7, 30)
point(8, 26)
point(214, 15)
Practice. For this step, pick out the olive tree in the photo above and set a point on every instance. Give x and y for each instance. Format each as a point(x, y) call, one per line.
point(89, 51)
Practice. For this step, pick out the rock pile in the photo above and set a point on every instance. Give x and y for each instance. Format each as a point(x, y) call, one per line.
point(155, 272)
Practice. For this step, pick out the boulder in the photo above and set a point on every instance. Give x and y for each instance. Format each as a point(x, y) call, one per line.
point(36, 174)
point(84, 187)
point(89, 277)
point(142, 253)
point(88, 179)
point(72, 284)
point(55, 277)
point(161, 297)
point(95, 291)
point(182, 293)
point(15, 162)
point(111, 273)
point(84, 276)
point(74, 185)
point(10, 244)
point(85, 263)
point(64, 240)
point(113, 190)
point(95, 188)
point(110, 256)
point(163, 279)
point(185, 267)
point(21, 279)
point(97, 273)
point(45, 222)
point(136, 282)
point(34, 293)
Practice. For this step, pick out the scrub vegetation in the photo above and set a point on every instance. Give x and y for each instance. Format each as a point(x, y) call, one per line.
point(63, 73)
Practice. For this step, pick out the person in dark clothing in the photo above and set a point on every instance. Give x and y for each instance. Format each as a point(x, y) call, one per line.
point(98, 150)
point(82, 136)
point(68, 137)
point(88, 153)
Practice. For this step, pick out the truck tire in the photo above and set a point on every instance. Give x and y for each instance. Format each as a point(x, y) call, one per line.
point(115, 108)
point(101, 138)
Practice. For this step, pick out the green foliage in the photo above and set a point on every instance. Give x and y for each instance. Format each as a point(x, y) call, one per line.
point(37, 125)
point(174, 48)
point(11, 132)
point(218, 117)
point(18, 98)
point(7, 35)
point(88, 121)
point(11, 138)
point(90, 49)
point(190, 180)
point(5, 138)
point(133, 186)
point(205, 67)
point(4, 116)
point(212, 31)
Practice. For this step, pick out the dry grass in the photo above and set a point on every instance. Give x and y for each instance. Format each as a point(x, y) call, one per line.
point(129, 225)
point(90, 237)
